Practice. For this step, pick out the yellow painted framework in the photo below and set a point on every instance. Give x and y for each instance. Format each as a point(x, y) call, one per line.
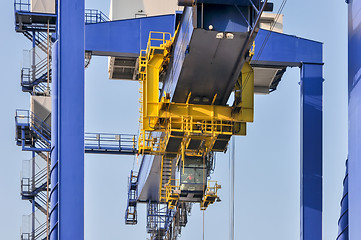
point(161, 115)
point(161, 119)
point(211, 194)
point(173, 194)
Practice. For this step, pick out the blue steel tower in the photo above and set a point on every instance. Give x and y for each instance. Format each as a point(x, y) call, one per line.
point(349, 223)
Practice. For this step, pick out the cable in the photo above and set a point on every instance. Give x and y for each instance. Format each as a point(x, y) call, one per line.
point(203, 224)
point(266, 39)
point(231, 190)
point(204, 180)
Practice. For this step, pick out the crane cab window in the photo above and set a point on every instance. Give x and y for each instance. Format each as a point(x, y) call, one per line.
point(194, 176)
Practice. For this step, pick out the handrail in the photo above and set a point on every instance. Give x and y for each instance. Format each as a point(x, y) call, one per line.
point(22, 5)
point(93, 142)
point(95, 16)
point(156, 40)
point(91, 15)
point(29, 118)
point(110, 141)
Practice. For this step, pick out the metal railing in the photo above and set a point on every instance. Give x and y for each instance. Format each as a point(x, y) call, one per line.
point(94, 142)
point(110, 142)
point(159, 219)
point(91, 15)
point(35, 68)
point(95, 16)
point(39, 234)
point(22, 5)
point(30, 186)
point(34, 226)
point(26, 77)
point(157, 39)
point(38, 126)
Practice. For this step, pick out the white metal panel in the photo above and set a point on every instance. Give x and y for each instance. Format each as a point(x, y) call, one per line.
point(41, 107)
point(160, 7)
point(263, 78)
point(43, 6)
point(272, 21)
point(125, 9)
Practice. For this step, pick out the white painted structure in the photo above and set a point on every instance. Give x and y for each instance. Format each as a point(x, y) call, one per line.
point(41, 107)
point(265, 77)
point(272, 21)
point(126, 9)
point(43, 6)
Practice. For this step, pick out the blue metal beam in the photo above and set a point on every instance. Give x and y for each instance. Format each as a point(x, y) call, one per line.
point(125, 37)
point(108, 39)
point(311, 151)
point(280, 49)
point(67, 197)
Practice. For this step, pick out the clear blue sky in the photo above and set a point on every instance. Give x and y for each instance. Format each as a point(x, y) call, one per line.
point(268, 159)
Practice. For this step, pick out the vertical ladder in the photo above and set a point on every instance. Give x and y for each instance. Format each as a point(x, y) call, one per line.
point(166, 176)
point(131, 211)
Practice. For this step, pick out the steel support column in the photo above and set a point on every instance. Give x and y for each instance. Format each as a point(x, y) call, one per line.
point(54, 153)
point(311, 151)
point(354, 119)
point(67, 197)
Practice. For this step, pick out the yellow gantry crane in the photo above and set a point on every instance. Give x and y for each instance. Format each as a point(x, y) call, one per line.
point(184, 132)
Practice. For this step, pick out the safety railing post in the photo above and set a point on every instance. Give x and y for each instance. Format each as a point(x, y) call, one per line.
point(98, 138)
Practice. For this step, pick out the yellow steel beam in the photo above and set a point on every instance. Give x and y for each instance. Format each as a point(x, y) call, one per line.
point(162, 115)
point(152, 108)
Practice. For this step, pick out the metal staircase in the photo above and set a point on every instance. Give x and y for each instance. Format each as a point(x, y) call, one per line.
point(39, 233)
point(40, 39)
point(30, 187)
point(166, 176)
point(131, 211)
point(34, 184)
point(34, 227)
point(36, 74)
point(35, 80)
point(40, 202)
point(159, 220)
point(32, 133)
point(95, 16)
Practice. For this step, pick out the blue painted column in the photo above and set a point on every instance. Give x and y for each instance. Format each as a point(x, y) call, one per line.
point(354, 119)
point(53, 215)
point(311, 151)
point(67, 173)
